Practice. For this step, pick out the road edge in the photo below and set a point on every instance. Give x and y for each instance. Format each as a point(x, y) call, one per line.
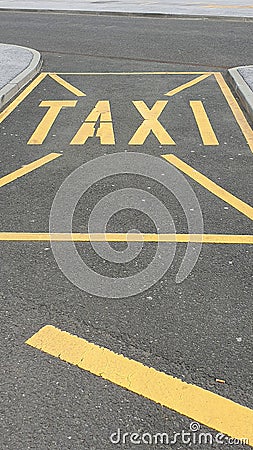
point(140, 15)
point(242, 89)
point(17, 83)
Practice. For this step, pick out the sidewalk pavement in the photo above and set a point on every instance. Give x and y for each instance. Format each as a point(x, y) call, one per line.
point(241, 79)
point(232, 8)
point(19, 65)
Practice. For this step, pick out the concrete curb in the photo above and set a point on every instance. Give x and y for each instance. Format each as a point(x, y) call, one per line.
point(17, 83)
point(133, 14)
point(242, 89)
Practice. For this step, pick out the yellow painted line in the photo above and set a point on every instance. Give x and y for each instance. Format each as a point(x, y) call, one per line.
point(201, 405)
point(128, 237)
point(224, 195)
point(28, 168)
point(228, 6)
point(67, 85)
point(236, 110)
point(205, 128)
point(5, 113)
point(188, 84)
point(132, 73)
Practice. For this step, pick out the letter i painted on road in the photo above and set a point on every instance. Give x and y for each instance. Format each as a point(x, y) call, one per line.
point(205, 128)
point(101, 112)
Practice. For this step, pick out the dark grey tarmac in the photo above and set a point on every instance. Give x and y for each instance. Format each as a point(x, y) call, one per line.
point(199, 330)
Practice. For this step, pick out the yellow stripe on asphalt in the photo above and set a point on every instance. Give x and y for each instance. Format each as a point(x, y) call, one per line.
point(28, 168)
point(236, 110)
point(188, 84)
point(201, 405)
point(67, 85)
point(5, 113)
point(212, 187)
point(228, 6)
point(128, 237)
point(205, 128)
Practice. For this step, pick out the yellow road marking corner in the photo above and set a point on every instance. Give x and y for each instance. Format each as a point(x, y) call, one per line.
point(199, 404)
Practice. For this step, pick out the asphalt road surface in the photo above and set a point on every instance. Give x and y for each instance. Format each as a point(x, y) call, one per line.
point(198, 330)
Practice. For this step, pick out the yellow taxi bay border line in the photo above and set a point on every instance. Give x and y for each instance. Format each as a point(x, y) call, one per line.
point(127, 237)
point(201, 405)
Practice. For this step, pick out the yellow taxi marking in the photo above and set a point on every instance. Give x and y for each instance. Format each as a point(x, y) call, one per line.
point(5, 113)
point(101, 112)
point(236, 110)
point(28, 168)
point(201, 405)
point(151, 124)
point(187, 85)
point(67, 85)
point(128, 237)
point(54, 108)
point(224, 195)
point(205, 128)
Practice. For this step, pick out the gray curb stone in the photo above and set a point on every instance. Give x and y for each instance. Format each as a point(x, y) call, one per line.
point(243, 89)
point(13, 86)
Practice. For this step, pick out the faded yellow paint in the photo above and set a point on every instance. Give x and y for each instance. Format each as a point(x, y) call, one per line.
point(151, 124)
point(54, 108)
point(128, 237)
point(205, 128)
point(28, 168)
point(101, 112)
point(86, 131)
point(201, 405)
point(191, 83)
point(221, 193)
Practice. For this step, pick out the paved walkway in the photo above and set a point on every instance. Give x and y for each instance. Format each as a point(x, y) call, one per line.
point(13, 60)
point(18, 65)
point(237, 8)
